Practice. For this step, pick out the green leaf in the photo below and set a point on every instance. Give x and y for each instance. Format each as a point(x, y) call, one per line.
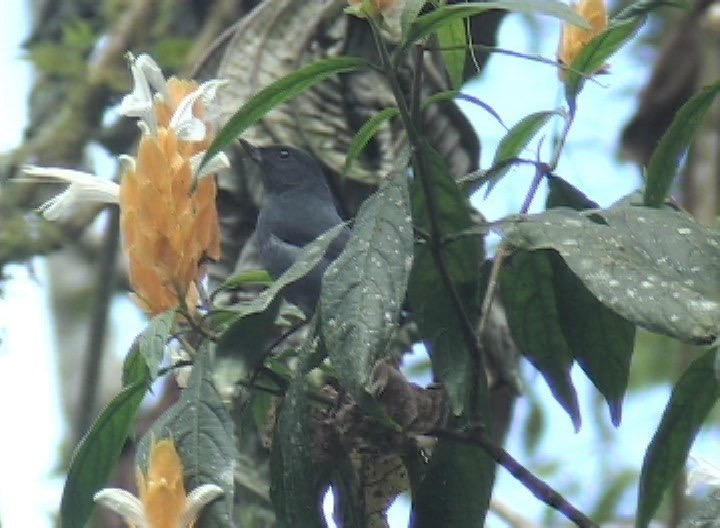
point(366, 133)
point(363, 290)
point(434, 306)
point(666, 158)
point(595, 54)
point(429, 23)
point(296, 480)
point(531, 305)
point(278, 92)
point(307, 261)
point(453, 42)
point(455, 492)
point(238, 280)
point(643, 7)
point(152, 341)
point(563, 194)
point(246, 338)
point(657, 268)
point(516, 139)
point(202, 431)
point(97, 453)
point(600, 340)
point(693, 397)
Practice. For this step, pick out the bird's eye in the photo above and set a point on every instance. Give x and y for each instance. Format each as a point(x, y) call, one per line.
point(284, 154)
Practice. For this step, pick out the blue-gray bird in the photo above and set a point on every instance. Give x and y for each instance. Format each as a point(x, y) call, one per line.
point(298, 208)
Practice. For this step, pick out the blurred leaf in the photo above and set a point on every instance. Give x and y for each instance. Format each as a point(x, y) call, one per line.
point(514, 142)
point(366, 133)
point(455, 492)
point(295, 478)
point(563, 194)
point(202, 431)
point(606, 509)
point(453, 42)
point(666, 158)
point(600, 340)
point(172, 52)
point(78, 36)
point(593, 56)
point(363, 290)
point(278, 92)
point(434, 306)
point(534, 426)
point(527, 287)
point(429, 23)
point(657, 268)
point(692, 398)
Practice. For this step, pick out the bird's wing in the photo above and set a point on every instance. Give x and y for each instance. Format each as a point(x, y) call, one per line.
point(300, 233)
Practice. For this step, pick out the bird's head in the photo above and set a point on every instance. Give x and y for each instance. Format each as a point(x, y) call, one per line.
point(284, 168)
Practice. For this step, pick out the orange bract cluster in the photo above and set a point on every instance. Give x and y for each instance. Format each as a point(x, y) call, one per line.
point(169, 228)
point(162, 490)
point(574, 39)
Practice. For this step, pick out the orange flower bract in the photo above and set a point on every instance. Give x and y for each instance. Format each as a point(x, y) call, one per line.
point(162, 490)
point(168, 228)
point(574, 39)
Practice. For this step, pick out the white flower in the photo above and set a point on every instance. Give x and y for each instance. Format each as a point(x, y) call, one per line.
point(139, 103)
point(84, 187)
point(217, 163)
point(186, 126)
point(704, 472)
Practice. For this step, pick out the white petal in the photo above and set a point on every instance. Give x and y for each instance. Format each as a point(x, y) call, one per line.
point(127, 163)
point(139, 102)
point(704, 472)
point(153, 73)
point(196, 501)
point(183, 122)
point(209, 90)
point(84, 187)
point(217, 163)
point(124, 503)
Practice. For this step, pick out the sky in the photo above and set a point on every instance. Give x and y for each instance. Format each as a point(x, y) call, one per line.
point(30, 412)
point(29, 490)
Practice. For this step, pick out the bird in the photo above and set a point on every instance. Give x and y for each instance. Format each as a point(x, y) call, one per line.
point(297, 209)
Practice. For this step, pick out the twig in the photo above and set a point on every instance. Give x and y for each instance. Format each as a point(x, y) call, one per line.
point(535, 485)
point(95, 345)
point(541, 169)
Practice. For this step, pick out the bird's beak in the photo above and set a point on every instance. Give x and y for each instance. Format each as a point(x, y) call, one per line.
point(251, 151)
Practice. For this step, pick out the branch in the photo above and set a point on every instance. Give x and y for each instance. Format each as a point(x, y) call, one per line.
point(535, 485)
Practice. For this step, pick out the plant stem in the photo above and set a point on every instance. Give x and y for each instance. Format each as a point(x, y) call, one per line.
point(535, 485)
point(436, 236)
